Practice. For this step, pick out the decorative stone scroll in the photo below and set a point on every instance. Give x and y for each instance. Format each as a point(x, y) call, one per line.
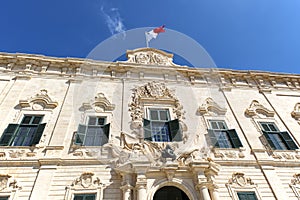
point(211, 106)
point(100, 104)
point(153, 92)
point(257, 108)
point(150, 56)
point(40, 101)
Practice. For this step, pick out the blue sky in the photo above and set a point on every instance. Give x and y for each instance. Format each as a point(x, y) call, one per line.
point(237, 34)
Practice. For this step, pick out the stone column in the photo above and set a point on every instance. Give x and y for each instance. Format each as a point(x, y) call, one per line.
point(214, 192)
point(127, 192)
point(203, 189)
point(141, 187)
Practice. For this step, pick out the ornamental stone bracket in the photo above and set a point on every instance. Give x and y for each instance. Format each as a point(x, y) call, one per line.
point(256, 108)
point(150, 56)
point(40, 101)
point(152, 92)
point(99, 104)
point(210, 106)
point(229, 154)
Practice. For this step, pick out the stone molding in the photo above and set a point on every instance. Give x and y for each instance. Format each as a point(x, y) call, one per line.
point(295, 184)
point(257, 108)
point(39, 101)
point(29, 65)
point(210, 106)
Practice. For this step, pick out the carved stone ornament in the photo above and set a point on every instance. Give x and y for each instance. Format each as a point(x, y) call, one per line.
point(153, 92)
point(100, 104)
point(40, 101)
point(211, 106)
point(256, 108)
point(150, 56)
point(87, 180)
point(296, 112)
point(296, 179)
point(7, 183)
point(239, 179)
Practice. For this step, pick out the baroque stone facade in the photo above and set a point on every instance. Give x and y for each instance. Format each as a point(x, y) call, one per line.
point(135, 130)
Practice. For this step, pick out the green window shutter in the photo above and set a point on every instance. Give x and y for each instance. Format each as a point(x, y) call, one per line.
point(147, 130)
point(38, 134)
point(213, 138)
point(175, 131)
point(247, 196)
point(288, 140)
point(105, 137)
point(8, 134)
point(80, 135)
point(235, 140)
point(266, 135)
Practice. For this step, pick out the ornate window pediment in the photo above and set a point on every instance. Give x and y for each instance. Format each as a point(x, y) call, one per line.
point(210, 106)
point(239, 183)
point(40, 101)
point(100, 104)
point(257, 108)
point(153, 92)
point(150, 56)
point(9, 186)
point(86, 183)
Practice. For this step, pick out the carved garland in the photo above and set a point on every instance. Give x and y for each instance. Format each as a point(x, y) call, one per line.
point(153, 92)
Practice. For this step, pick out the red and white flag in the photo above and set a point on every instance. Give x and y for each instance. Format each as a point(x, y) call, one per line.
point(154, 33)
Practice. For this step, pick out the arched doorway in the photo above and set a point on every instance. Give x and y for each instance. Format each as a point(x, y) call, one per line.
point(170, 193)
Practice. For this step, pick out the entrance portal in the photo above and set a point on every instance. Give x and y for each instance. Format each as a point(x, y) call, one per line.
point(170, 193)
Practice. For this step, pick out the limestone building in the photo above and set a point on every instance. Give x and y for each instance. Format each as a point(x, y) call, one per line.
point(145, 128)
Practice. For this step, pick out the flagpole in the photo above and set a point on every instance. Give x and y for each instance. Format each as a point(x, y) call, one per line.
point(147, 42)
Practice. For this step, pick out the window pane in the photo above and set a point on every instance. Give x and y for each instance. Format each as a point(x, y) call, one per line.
point(4, 198)
point(265, 127)
point(101, 121)
point(154, 115)
point(222, 125)
point(223, 139)
point(36, 120)
point(92, 121)
point(164, 115)
point(214, 125)
point(277, 141)
point(160, 132)
point(26, 120)
point(247, 196)
point(272, 127)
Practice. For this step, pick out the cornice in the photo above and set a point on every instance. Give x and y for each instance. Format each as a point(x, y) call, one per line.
point(26, 66)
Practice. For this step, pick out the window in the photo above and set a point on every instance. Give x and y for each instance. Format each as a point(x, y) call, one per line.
point(4, 198)
point(221, 136)
point(276, 139)
point(27, 133)
point(160, 128)
point(84, 197)
point(96, 133)
point(247, 196)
